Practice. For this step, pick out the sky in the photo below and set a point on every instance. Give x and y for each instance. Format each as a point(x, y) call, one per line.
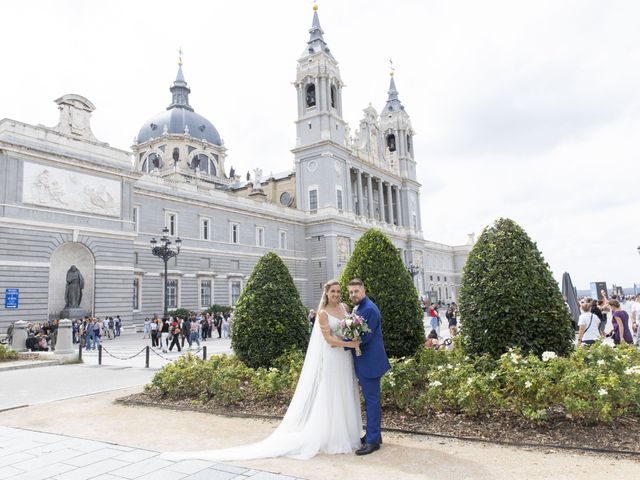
point(528, 110)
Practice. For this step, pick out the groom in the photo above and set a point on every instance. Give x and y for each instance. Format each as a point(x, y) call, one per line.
point(370, 366)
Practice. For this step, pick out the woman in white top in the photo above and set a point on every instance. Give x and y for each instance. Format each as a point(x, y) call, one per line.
point(588, 324)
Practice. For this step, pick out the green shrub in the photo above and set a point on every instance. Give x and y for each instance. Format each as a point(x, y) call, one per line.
point(508, 297)
point(389, 285)
point(226, 380)
point(180, 313)
point(7, 354)
point(269, 318)
point(595, 385)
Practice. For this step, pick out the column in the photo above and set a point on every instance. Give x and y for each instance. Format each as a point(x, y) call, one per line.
point(381, 199)
point(348, 202)
point(399, 205)
point(390, 203)
point(322, 94)
point(359, 190)
point(370, 193)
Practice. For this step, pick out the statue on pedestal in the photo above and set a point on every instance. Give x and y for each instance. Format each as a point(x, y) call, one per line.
point(73, 290)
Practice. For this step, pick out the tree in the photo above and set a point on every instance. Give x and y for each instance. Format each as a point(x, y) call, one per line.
point(376, 261)
point(508, 297)
point(269, 318)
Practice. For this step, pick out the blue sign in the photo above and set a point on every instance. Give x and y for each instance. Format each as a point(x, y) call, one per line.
point(11, 298)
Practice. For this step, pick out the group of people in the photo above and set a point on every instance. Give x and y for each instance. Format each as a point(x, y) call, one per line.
point(91, 331)
point(174, 332)
point(593, 320)
point(431, 311)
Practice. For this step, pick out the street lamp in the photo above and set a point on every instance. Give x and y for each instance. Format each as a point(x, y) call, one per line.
point(165, 252)
point(413, 269)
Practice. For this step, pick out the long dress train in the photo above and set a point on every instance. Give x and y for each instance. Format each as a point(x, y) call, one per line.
point(323, 416)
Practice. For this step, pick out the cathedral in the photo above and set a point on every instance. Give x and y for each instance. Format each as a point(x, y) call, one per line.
point(71, 199)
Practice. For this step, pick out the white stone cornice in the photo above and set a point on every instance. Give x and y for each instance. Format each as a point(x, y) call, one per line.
point(19, 264)
point(119, 268)
point(64, 228)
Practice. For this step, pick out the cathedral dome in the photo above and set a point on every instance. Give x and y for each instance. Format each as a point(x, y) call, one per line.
point(179, 118)
point(179, 121)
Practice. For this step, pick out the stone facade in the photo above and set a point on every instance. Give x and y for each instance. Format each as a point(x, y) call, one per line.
point(67, 198)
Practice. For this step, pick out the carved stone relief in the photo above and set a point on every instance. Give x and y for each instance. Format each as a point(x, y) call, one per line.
point(54, 187)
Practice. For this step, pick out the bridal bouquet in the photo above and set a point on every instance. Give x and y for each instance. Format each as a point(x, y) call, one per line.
point(352, 327)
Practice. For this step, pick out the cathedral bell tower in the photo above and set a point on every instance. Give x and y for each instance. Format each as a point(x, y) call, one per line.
point(319, 88)
point(397, 133)
point(321, 133)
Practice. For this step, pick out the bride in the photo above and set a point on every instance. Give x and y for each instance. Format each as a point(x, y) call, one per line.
point(324, 413)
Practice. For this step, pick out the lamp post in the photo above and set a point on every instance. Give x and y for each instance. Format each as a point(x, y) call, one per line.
point(413, 271)
point(165, 252)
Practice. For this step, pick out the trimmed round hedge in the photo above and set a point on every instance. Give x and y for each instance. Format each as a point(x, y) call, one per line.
point(376, 261)
point(269, 318)
point(509, 298)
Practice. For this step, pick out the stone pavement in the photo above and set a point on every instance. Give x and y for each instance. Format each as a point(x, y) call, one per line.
point(30, 455)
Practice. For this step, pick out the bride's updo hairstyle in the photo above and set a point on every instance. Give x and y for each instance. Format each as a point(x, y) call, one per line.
point(325, 299)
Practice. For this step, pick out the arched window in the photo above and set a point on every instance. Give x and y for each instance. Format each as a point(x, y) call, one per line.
point(311, 95)
point(409, 143)
point(391, 142)
point(333, 96)
point(204, 163)
point(152, 162)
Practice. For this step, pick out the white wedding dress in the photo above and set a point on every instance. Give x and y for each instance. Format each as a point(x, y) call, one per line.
point(323, 416)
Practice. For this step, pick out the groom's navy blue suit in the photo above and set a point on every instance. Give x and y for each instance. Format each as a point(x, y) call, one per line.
point(370, 366)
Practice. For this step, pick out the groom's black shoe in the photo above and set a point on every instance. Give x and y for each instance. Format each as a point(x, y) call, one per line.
point(363, 440)
point(368, 448)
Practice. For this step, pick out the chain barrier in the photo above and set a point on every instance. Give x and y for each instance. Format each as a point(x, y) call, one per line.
point(175, 358)
point(147, 350)
point(122, 358)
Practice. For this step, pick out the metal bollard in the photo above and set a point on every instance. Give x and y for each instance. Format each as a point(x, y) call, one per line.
point(146, 361)
point(99, 354)
point(80, 352)
point(204, 352)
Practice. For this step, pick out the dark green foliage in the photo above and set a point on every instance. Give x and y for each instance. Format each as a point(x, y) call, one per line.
point(224, 309)
point(508, 297)
point(180, 313)
point(388, 284)
point(269, 318)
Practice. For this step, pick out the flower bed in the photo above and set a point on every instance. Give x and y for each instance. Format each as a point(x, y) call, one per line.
point(596, 385)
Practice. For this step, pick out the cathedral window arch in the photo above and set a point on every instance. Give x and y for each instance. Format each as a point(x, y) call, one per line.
point(409, 143)
point(334, 95)
point(151, 163)
point(391, 142)
point(204, 163)
point(310, 95)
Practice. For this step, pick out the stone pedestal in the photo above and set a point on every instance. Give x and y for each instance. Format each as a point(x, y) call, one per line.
point(74, 313)
point(64, 342)
point(19, 342)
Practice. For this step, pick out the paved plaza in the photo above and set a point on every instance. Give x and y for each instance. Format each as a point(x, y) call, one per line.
point(31, 455)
